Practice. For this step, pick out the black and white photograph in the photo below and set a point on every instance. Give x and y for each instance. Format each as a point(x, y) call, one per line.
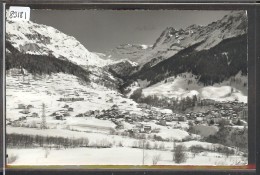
point(127, 87)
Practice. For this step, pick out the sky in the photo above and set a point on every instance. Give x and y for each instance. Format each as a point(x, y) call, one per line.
point(103, 30)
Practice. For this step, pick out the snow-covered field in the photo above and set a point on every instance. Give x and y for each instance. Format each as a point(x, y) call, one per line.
point(113, 156)
point(121, 152)
point(186, 84)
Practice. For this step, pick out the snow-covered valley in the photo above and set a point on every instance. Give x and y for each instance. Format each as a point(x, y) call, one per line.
point(66, 105)
point(74, 120)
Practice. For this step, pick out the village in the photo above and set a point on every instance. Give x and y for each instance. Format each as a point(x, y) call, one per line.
point(212, 113)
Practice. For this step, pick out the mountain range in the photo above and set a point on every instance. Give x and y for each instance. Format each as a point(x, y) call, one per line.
point(172, 40)
point(214, 53)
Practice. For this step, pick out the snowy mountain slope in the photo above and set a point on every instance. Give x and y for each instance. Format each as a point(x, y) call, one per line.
point(34, 65)
point(122, 68)
point(44, 50)
point(187, 84)
point(172, 40)
point(29, 89)
point(37, 39)
point(42, 64)
point(221, 73)
point(132, 52)
point(231, 25)
point(55, 64)
point(214, 65)
point(38, 89)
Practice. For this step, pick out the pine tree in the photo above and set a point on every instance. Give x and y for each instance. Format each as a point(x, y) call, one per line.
point(179, 155)
point(194, 100)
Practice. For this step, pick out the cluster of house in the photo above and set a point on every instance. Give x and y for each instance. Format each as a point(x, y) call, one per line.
point(141, 128)
point(231, 112)
point(61, 114)
point(72, 99)
point(161, 117)
point(101, 114)
point(26, 109)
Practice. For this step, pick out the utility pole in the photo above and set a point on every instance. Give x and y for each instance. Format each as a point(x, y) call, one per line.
point(43, 123)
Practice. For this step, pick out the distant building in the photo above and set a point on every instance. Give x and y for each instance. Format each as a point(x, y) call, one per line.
point(88, 113)
point(168, 118)
point(156, 130)
point(66, 114)
point(128, 119)
point(71, 99)
point(59, 117)
point(29, 106)
point(21, 106)
point(198, 120)
point(182, 118)
point(22, 118)
point(139, 125)
point(135, 130)
point(114, 107)
point(235, 120)
point(162, 122)
point(25, 111)
point(80, 115)
point(66, 106)
point(70, 109)
point(120, 126)
point(147, 128)
point(134, 116)
point(96, 112)
point(35, 114)
point(234, 115)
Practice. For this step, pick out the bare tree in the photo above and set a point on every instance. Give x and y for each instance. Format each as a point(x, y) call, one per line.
point(156, 159)
point(12, 158)
point(46, 152)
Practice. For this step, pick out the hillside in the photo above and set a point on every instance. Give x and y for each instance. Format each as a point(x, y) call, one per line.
point(211, 66)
